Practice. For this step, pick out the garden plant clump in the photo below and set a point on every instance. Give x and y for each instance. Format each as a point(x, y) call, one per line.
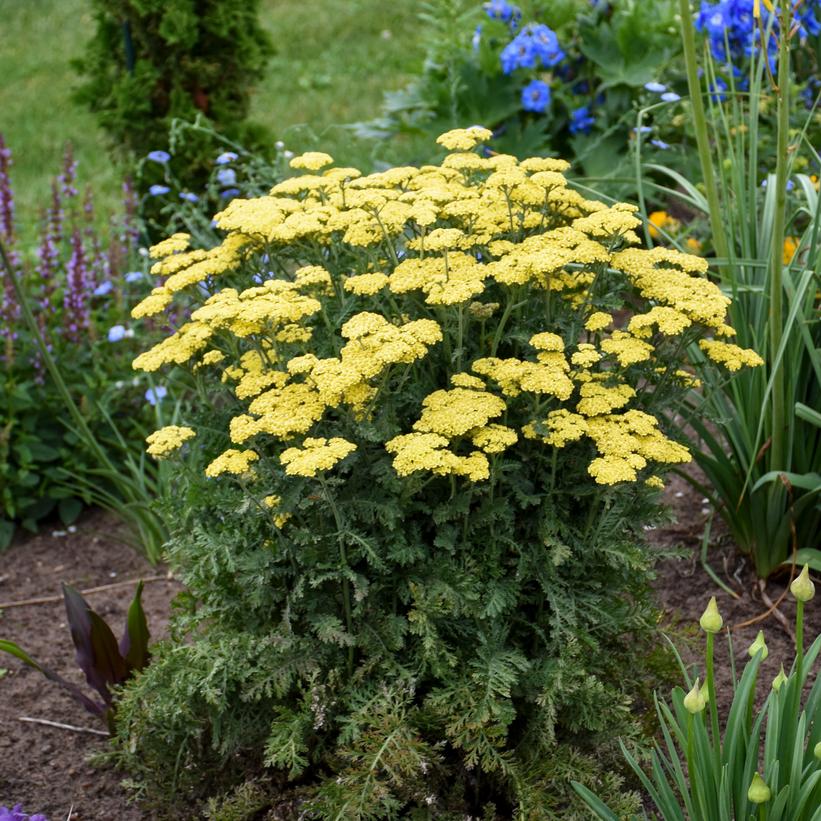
point(79, 283)
point(429, 432)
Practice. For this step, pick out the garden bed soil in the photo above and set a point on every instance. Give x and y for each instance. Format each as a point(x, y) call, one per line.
point(47, 770)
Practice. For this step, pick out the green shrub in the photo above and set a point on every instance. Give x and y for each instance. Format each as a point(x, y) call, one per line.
point(151, 62)
point(438, 601)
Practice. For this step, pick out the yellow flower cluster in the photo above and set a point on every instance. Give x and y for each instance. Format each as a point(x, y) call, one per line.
point(457, 271)
point(315, 455)
point(168, 439)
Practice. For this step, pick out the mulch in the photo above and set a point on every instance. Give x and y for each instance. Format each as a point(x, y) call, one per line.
point(47, 770)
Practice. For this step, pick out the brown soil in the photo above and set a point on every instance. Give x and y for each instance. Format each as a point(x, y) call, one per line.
point(46, 769)
point(43, 768)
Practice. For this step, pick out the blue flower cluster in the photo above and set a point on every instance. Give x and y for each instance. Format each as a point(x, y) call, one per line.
point(535, 44)
point(730, 23)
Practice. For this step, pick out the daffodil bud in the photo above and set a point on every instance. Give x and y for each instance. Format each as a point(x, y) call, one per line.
point(759, 792)
point(759, 644)
point(802, 588)
point(711, 621)
point(817, 751)
point(694, 701)
point(779, 680)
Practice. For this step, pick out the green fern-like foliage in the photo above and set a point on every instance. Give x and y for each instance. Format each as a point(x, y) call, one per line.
point(151, 61)
point(483, 675)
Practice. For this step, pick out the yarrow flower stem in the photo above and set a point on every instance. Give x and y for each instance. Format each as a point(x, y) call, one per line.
point(344, 566)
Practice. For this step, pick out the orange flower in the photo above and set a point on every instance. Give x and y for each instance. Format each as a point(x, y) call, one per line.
point(790, 247)
point(660, 220)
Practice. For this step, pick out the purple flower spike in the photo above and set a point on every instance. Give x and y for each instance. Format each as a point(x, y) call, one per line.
point(68, 178)
point(75, 301)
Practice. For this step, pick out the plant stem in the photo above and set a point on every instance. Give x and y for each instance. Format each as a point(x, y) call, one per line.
point(700, 126)
point(711, 692)
point(775, 289)
point(799, 640)
point(344, 567)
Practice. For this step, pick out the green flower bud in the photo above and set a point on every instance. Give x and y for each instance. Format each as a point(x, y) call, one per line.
point(694, 701)
point(759, 644)
point(711, 621)
point(802, 588)
point(817, 751)
point(779, 680)
point(759, 792)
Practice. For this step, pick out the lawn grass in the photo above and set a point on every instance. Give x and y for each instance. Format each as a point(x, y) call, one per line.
point(334, 59)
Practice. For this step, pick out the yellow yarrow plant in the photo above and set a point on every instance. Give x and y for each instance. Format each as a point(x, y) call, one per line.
point(432, 416)
point(386, 279)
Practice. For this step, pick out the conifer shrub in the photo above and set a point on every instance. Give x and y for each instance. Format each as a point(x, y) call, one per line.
point(150, 62)
point(430, 430)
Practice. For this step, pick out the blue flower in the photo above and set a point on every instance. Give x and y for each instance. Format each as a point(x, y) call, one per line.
point(188, 196)
point(134, 276)
point(229, 193)
point(155, 395)
point(161, 157)
point(226, 157)
point(504, 11)
point(116, 333)
point(534, 44)
point(476, 40)
point(645, 129)
point(670, 97)
point(226, 176)
point(158, 190)
point(581, 120)
point(103, 288)
point(657, 88)
point(660, 144)
point(536, 96)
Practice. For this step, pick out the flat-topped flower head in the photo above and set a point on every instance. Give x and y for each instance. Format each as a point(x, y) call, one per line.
point(463, 139)
point(166, 440)
point(311, 161)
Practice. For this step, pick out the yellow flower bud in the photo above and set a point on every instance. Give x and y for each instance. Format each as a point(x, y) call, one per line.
point(802, 588)
point(694, 701)
point(759, 792)
point(711, 621)
point(759, 644)
point(779, 680)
